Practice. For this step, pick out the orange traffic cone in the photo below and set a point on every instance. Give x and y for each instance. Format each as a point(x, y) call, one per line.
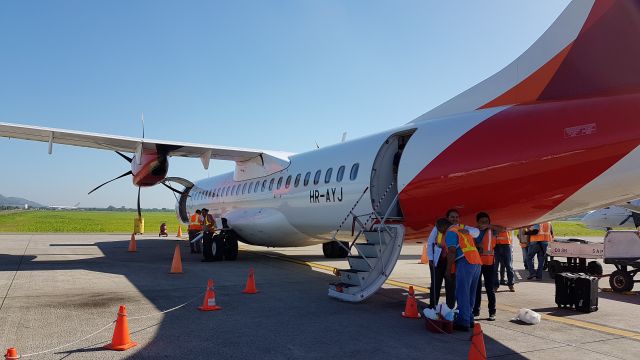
point(477, 350)
point(132, 244)
point(411, 309)
point(209, 301)
point(251, 284)
point(424, 259)
point(121, 339)
point(179, 231)
point(11, 354)
point(176, 264)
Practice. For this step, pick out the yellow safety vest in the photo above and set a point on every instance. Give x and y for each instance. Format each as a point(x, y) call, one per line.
point(467, 245)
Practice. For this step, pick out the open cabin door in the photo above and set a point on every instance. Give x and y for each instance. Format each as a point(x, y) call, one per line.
point(384, 175)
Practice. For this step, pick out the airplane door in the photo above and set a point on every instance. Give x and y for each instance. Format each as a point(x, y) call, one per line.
point(384, 175)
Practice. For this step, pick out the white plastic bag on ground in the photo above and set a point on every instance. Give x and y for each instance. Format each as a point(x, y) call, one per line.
point(529, 316)
point(430, 314)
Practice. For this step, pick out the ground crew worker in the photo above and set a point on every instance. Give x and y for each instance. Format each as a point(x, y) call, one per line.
point(464, 260)
point(523, 239)
point(485, 242)
point(208, 228)
point(194, 228)
point(540, 235)
point(504, 260)
point(436, 251)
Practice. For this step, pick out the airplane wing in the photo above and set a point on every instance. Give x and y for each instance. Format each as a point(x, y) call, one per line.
point(136, 145)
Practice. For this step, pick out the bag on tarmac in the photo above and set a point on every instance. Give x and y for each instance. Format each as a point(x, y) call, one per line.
point(586, 293)
point(565, 289)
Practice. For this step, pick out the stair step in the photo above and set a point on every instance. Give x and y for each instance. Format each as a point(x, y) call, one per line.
point(353, 277)
point(345, 288)
point(375, 237)
point(360, 264)
point(369, 250)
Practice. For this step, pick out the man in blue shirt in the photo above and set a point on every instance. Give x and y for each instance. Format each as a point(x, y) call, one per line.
point(463, 253)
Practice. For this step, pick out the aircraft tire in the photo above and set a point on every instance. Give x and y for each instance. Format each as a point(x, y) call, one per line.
point(333, 250)
point(230, 247)
point(213, 248)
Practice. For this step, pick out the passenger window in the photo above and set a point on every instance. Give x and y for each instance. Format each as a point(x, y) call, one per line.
point(340, 174)
point(279, 183)
point(327, 176)
point(288, 182)
point(354, 171)
point(233, 190)
point(244, 188)
point(255, 188)
point(271, 183)
point(296, 182)
point(316, 177)
point(306, 178)
point(238, 190)
point(264, 185)
point(226, 192)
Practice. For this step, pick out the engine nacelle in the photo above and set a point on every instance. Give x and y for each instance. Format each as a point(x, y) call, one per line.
point(151, 170)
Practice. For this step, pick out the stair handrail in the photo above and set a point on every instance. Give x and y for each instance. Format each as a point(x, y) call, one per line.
point(333, 238)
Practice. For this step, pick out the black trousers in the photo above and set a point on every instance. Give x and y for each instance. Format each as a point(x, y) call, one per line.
point(192, 235)
point(486, 273)
point(436, 284)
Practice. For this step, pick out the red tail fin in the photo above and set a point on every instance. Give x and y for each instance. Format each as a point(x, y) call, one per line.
point(592, 49)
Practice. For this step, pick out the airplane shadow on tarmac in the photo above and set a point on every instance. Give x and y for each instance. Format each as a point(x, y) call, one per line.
point(291, 317)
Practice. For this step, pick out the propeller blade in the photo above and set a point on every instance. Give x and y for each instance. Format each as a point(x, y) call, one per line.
point(124, 156)
point(139, 214)
point(172, 189)
point(105, 183)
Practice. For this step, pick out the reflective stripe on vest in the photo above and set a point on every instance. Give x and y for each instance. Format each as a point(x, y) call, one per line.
point(467, 245)
point(194, 224)
point(503, 238)
point(544, 233)
point(487, 246)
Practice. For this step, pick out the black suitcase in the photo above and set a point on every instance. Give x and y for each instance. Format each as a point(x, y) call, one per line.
point(565, 289)
point(586, 293)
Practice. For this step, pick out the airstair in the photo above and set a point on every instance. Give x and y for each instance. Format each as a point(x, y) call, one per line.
point(377, 247)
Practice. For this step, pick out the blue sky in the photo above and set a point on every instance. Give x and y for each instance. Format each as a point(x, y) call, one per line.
point(277, 75)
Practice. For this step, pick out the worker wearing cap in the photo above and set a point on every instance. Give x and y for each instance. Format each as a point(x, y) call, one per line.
point(194, 228)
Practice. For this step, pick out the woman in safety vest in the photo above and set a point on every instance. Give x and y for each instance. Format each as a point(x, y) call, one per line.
point(464, 260)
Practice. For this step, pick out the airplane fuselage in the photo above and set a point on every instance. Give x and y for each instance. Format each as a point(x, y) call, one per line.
point(522, 164)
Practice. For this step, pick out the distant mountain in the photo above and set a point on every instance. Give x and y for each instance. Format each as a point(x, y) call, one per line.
point(16, 201)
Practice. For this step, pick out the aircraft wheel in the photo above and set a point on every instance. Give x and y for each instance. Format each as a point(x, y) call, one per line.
point(333, 250)
point(594, 268)
point(554, 267)
point(230, 248)
point(621, 281)
point(213, 247)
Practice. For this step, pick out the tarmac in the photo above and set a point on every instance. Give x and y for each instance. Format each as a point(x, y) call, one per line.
point(57, 290)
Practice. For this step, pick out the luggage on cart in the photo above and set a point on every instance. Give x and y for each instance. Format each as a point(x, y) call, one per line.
point(586, 293)
point(565, 289)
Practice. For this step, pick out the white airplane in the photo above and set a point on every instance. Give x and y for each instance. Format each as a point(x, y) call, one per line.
point(554, 133)
point(625, 216)
point(63, 207)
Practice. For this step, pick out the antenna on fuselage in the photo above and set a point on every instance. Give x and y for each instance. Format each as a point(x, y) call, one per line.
point(142, 119)
point(317, 146)
point(344, 136)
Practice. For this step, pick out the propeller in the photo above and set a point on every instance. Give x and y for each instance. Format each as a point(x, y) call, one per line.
point(105, 183)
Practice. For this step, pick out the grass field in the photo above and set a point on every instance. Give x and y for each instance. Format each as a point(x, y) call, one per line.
point(122, 222)
point(60, 221)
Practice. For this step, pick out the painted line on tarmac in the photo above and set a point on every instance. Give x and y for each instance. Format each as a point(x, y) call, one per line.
point(563, 320)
